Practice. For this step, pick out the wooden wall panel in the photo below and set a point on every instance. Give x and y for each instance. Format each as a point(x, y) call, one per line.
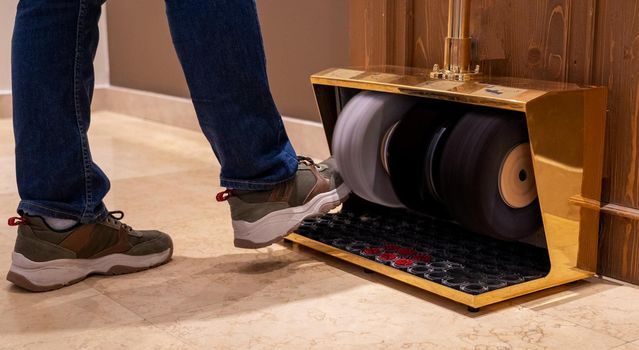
point(531, 39)
point(580, 41)
point(431, 19)
point(616, 65)
point(539, 38)
point(381, 32)
point(618, 244)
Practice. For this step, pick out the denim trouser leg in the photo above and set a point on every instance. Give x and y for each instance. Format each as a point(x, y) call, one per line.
point(220, 47)
point(53, 46)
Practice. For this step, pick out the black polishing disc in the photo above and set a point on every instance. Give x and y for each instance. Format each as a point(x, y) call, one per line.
point(414, 149)
point(361, 128)
point(470, 170)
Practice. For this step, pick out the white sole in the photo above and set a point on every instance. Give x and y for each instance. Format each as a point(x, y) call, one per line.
point(276, 225)
point(54, 274)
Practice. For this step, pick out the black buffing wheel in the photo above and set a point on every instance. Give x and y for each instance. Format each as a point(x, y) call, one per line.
point(486, 177)
point(413, 151)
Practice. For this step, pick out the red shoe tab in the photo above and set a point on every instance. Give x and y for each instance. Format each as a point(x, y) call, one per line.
point(17, 221)
point(224, 195)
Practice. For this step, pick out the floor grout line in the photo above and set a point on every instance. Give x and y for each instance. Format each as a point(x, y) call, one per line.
point(147, 321)
point(559, 317)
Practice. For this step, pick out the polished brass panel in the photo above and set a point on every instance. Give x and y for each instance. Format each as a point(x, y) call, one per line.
point(566, 128)
point(503, 93)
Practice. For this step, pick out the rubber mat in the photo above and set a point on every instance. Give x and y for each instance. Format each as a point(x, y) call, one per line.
point(436, 250)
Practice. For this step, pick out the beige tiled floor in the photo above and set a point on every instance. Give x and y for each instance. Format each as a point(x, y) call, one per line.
point(213, 296)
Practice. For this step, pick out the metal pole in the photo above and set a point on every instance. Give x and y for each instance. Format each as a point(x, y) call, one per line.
point(457, 50)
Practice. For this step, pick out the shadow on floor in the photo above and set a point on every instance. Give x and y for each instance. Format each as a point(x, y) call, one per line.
point(188, 287)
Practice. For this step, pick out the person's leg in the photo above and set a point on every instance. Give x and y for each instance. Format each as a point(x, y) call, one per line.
point(220, 47)
point(53, 46)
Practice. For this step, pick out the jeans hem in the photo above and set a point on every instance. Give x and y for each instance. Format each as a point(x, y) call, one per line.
point(35, 209)
point(252, 185)
point(257, 185)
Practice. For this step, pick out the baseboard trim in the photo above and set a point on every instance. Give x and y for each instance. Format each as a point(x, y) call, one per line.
point(306, 136)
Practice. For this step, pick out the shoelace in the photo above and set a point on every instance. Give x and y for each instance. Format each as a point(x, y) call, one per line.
point(114, 218)
point(307, 160)
point(226, 194)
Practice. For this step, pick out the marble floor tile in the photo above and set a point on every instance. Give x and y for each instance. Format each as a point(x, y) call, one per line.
point(605, 307)
point(77, 310)
point(372, 317)
point(7, 160)
point(189, 284)
point(137, 335)
point(214, 296)
point(7, 172)
point(133, 150)
point(16, 298)
point(628, 346)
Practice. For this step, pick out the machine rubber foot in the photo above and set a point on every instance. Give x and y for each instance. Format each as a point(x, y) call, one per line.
point(368, 271)
point(473, 309)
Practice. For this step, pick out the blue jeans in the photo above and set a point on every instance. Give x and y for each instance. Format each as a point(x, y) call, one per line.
point(220, 48)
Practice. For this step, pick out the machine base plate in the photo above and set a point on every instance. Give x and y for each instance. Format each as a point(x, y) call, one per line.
point(432, 249)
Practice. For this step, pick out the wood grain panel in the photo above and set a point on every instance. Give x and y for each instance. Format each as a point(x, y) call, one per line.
point(368, 31)
point(431, 19)
point(616, 65)
point(621, 260)
point(401, 33)
point(530, 39)
point(538, 39)
point(381, 32)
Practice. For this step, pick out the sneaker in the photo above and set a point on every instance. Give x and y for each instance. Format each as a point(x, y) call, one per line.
point(45, 259)
point(261, 218)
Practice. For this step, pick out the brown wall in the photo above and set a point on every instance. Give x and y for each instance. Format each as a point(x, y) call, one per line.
point(140, 52)
point(301, 37)
point(585, 42)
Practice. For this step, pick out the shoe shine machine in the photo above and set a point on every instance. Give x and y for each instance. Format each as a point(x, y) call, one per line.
point(475, 188)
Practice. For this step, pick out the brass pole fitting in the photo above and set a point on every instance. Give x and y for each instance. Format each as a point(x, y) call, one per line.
point(457, 52)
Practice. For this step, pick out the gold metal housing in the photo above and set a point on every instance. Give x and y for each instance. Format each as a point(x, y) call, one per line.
point(566, 124)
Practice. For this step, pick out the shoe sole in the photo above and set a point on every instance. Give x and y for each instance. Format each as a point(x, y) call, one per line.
point(279, 224)
point(55, 274)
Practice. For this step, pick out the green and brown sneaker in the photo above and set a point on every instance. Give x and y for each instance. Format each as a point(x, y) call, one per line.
point(45, 259)
point(261, 218)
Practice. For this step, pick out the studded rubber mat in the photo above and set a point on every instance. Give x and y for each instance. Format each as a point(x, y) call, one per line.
point(432, 249)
